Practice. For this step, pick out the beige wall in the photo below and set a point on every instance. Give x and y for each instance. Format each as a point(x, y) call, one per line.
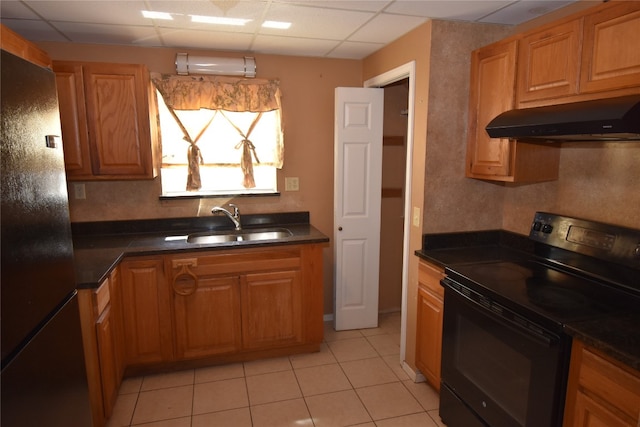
point(447, 200)
point(307, 96)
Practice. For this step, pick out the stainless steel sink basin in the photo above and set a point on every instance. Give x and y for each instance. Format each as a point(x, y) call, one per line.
point(239, 235)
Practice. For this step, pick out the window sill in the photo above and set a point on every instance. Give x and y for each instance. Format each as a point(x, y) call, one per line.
point(186, 196)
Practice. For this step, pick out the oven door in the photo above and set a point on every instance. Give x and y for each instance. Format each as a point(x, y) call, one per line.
point(497, 368)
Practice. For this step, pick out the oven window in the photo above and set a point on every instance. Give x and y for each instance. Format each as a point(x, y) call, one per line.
point(507, 375)
point(501, 372)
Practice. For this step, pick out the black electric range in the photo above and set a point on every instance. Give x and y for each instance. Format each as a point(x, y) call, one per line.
point(580, 270)
point(505, 356)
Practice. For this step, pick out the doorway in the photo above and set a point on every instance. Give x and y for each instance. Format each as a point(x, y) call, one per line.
point(399, 76)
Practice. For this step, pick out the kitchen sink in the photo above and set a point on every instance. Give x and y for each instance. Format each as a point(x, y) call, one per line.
point(239, 235)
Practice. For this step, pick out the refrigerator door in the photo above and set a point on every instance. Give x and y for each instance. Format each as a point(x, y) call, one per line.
point(37, 250)
point(46, 383)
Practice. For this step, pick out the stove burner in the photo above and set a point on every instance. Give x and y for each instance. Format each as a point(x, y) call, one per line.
point(503, 272)
point(554, 298)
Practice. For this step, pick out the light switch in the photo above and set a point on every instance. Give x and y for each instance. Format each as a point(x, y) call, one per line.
point(416, 216)
point(291, 184)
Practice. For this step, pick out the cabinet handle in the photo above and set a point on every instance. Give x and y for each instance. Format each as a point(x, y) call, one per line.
point(185, 271)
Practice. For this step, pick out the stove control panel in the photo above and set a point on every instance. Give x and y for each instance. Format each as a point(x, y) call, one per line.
point(600, 240)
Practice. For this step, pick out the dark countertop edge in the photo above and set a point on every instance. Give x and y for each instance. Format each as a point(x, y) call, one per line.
point(98, 253)
point(449, 249)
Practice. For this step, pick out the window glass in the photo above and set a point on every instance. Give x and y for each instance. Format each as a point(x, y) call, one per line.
point(218, 136)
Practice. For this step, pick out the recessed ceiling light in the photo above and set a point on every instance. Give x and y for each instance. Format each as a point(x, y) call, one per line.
point(218, 20)
point(156, 15)
point(277, 24)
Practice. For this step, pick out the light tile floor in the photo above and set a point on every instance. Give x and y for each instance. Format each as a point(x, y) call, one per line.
point(355, 380)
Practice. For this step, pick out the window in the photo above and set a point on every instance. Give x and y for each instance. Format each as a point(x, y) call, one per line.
point(219, 136)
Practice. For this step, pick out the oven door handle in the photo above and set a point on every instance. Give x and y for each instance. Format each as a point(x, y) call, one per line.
point(501, 313)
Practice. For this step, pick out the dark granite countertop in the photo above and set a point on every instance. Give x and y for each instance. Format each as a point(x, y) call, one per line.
point(99, 246)
point(448, 249)
point(617, 336)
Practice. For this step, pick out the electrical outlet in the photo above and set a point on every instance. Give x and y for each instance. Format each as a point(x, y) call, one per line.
point(416, 216)
point(79, 192)
point(291, 184)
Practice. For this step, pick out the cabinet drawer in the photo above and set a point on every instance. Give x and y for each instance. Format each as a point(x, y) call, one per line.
point(239, 261)
point(429, 276)
point(101, 297)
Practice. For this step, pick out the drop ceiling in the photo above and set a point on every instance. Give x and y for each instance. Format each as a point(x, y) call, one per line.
point(332, 29)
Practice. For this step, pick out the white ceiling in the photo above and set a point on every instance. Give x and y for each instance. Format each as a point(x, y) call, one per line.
point(333, 29)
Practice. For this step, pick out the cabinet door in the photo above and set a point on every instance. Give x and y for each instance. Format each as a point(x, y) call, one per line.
point(271, 309)
point(611, 55)
point(207, 315)
point(146, 311)
point(73, 120)
point(107, 355)
point(589, 413)
point(549, 63)
point(118, 118)
point(492, 92)
point(429, 339)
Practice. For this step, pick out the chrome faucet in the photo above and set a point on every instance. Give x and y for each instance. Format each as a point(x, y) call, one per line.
point(235, 216)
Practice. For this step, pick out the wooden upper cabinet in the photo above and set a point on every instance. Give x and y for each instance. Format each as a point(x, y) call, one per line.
point(492, 91)
point(73, 119)
point(611, 51)
point(109, 120)
point(549, 62)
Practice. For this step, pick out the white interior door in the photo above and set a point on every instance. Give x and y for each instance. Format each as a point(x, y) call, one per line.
point(357, 197)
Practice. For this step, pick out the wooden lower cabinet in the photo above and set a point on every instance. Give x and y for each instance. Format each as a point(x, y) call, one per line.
point(100, 325)
point(601, 392)
point(271, 309)
point(146, 311)
point(199, 308)
point(207, 321)
point(226, 302)
point(429, 327)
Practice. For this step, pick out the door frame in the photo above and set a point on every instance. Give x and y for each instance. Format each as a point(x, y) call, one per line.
point(407, 70)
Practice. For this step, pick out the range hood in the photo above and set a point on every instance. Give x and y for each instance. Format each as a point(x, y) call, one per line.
point(611, 119)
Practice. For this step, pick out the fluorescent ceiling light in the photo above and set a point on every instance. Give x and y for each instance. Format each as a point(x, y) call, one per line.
point(277, 24)
point(218, 20)
point(156, 15)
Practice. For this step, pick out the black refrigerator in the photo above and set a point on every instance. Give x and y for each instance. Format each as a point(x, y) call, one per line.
point(43, 379)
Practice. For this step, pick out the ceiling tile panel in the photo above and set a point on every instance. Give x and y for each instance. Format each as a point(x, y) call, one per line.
point(364, 5)
point(105, 34)
point(523, 11)
point(354, 50)
point(385, 28)
point(464, 10)
point(96, 12)
point(292, 46)
point(213, 40)
point(16, 9)
point(38, 30)
point(312, 22)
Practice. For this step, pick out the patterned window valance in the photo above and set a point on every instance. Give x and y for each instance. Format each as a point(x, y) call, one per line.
point(223, 94)
point(218, 93)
